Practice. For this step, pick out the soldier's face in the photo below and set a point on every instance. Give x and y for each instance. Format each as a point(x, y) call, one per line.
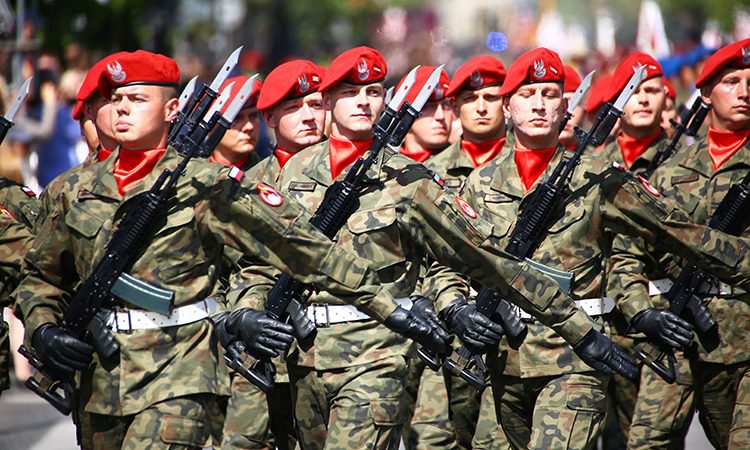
point(242, 138)
point(536, 111)
point(481, 113)
point(669, 113)
point(99, 111)
point(643, 109)
point(141, 115)
point(354, 109)
point(299, 122)
point(432, 129)
point(729, 97)
point(568, 133)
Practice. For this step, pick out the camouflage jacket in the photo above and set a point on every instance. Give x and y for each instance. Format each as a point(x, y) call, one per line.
point(211, 210)
point(403, 215)
point(690, 178)
point(18, 209)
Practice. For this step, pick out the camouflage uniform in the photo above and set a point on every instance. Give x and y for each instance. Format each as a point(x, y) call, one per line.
point(255, 420)
point(671, 397)
point(18, 211)
point(719, 376)
point(348, 388)
point(211, 211)
point(472, 413)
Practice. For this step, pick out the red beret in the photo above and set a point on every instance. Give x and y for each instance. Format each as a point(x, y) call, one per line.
point(476, 73)
point(239, 81)
point(735, 55)
point(627, 67)
point(572, 79)
point(423, 73)
point(671, 93)
point(598, 91)
point(540, 65)
point(90, 84)
point(139, 67)
point(359, 65)
point(292, 79)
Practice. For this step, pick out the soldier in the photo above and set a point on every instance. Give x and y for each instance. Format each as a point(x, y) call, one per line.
point(157, 390)
point(474, 88)
point(597, 98)
point(237, 147)
point(545, 396)
point(293, 109)
point(18, 211)
point(640, 131)
point(348, 388)
point(698, 177)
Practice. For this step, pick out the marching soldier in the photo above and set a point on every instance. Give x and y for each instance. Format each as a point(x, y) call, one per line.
point(293, 109)
point(156, 391)
point(238, 146)
point(698, 177)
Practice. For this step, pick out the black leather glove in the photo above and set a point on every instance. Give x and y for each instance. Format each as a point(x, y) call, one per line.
point(303, 326)
point(664, 326)
point(415, 327)
point(60, 350)
point(425, 308)
point(476, 331)
point(263, 335)
point(596, 350)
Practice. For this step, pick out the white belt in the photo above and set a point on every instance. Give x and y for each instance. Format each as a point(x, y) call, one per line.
point(591, 306)
point(323, 314)
point(663, 285)
point(138, 319)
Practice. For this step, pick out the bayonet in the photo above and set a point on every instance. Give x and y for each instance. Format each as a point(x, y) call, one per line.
point(23, 92)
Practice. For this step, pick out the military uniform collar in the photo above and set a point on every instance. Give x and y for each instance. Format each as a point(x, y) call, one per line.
point(319, 168)
point(170, 159)
point(697, 158)
point(507, 180)
point(456, 157)
point(104, 184)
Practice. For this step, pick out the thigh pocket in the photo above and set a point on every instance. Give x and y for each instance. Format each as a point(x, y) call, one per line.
point(185, 431)
point(587, 406)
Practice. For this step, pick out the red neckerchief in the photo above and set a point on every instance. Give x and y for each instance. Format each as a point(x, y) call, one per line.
point(282, 156)
point(531, 164)
point(133, 165)
point(419, 154)
point(343, 153)
point(723, 144)
point(570, 145)
point(632, 148)
point(217, 158)
point(102, 154)
point(481, 152)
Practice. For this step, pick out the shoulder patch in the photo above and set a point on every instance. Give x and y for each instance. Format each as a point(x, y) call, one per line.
point(648, 186)
point(269, 195)
point(466, 208)
point(437, 178)
point(684, 178)
point(307, 186)
point(6, 212)
point(27, 190)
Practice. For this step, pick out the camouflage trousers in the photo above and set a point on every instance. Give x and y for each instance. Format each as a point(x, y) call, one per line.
point(255, 420)
point(663, 411)
point(622, 396)
point(489, 434)
point(178, 423)
point(723, 402)
point(358, 407)
point(5, 354)
point(464, 402)
point(428, 424)
point(556, 412)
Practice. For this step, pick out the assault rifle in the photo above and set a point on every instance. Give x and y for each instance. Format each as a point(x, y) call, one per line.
point(690, 123)
point(340, 201)
point(693, 285)
point(531, 227)
point(86, 315)
point(7, 121)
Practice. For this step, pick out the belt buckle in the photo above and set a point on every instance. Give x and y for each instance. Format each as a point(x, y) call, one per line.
point(117, 313)
point(327, 322)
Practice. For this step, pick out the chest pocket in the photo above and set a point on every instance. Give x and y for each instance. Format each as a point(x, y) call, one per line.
point(375, 236)
point(177, 244)
point(683, 191)
point(573, 240)
point(82, 222)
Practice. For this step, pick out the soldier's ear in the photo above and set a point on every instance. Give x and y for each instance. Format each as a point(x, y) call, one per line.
point(270, 119)
point(171, 109)
point(327, 101)
point(706, 93)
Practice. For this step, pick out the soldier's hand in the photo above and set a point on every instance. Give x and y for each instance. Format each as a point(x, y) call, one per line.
point(664, 327)
point(475, 330)
point(424, 307)
point(415, 327)
point(263, 335)
point(60, 350)
point(596, 350)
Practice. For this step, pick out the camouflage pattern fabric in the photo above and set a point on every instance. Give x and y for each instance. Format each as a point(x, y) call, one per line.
point(611, 152)
point(428, 425)
point(489, 434)
point(689, 178)
point(177, 423)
